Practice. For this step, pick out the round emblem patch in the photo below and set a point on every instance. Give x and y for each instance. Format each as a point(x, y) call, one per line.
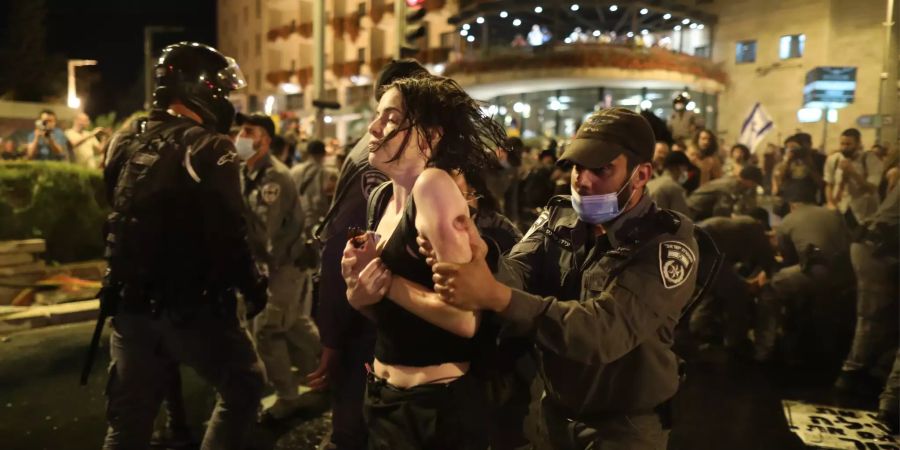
point(371, 179)
point(270, 193)
point(676, 261)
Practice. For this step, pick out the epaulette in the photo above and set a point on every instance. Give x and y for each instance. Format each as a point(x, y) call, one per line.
point(647, 227)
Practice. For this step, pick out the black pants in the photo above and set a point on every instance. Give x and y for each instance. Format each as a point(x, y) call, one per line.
point(348, 429)
point(428, 417)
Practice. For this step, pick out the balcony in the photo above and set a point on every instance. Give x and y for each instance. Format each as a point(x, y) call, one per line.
point(283, 32)
point(524, 69)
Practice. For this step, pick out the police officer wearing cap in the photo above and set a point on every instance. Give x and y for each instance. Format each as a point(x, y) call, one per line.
point(177, 249)
point(598, 283)
point(286, 337)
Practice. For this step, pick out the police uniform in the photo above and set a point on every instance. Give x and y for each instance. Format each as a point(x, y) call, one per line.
point(743, 241)
point(177, 241)
point(668, 194)
point(721, 197)
point(340, 326)
point(602, 313)
point(814, 244)
point(874, 259)
point(286, 336)
point(309, 179)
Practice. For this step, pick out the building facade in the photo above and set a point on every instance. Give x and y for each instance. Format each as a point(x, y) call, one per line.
point(541, 66)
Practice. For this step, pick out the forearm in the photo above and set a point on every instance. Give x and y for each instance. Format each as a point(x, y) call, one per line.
point(31, 149)
point(426, 304)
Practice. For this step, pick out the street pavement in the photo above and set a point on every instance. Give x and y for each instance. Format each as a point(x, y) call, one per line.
point(724, 403)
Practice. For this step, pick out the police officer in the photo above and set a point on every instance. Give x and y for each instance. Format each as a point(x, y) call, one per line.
point(177, 247)
point(875, 262)
point(726, 195)
point(598, 283)
point(348, 339)
point(749, 259)
point(814, 244)
point(285, 334)
point(667, 189)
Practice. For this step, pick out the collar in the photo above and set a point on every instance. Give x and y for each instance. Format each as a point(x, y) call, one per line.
point(639, 210)
point(261, 165)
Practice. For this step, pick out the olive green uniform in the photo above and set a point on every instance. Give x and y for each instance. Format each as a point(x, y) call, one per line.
point(602, 312)
point(285, 334)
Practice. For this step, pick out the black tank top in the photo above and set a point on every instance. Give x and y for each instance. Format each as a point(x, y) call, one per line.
point(402, 337)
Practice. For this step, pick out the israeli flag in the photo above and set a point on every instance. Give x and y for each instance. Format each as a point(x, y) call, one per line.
point(756, 126)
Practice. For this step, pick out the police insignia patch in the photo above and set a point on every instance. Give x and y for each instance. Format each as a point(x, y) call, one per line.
point(270, 193)
point(370, 179)
point(676, 261)
point(541, 220)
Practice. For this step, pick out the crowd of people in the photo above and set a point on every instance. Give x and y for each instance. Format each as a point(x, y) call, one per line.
point(48, 142)
point(432, 275)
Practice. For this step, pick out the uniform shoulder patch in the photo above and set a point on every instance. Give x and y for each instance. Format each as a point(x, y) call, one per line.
point(540, 222)
point(676, 261)
point(270, 192)
point(371, 179)
point(227, 158)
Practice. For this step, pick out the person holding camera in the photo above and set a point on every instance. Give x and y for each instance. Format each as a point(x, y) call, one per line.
point(47, 142)
point(87, 146)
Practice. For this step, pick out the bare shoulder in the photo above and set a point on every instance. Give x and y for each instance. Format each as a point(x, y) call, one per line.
point(432, 180)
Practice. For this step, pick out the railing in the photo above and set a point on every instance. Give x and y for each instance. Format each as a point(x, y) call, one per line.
point(586, 56)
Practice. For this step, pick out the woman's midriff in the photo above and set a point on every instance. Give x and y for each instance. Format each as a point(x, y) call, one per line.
point(409, 376)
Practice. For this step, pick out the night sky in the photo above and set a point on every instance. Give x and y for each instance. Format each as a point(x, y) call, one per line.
point(111, 32)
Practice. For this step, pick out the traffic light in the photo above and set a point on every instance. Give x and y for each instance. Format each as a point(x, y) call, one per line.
point(416, 28)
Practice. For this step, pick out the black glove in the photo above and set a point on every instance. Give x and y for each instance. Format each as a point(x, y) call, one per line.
point(256, 297)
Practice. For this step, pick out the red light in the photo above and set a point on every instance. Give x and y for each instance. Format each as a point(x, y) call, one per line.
point(415, 3)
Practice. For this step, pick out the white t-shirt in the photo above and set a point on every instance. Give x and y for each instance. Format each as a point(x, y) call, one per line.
point(848, 194)
point(84, 153)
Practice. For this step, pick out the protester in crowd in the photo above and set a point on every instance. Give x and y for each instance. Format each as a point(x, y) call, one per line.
point(292, 135)
point(704, 153)
point(666, 189)
point(693, 178)
point(86, 147)
point(738, 158)
point(309, 179)
point(348, 339)
point(9, 150)
point(796, 177)
point(286, 337)
point(727, 195)
point(851, 179)
point(814, 244)
point(282, 151)
point(423, 128)
point(47, 142)
point(660, 151)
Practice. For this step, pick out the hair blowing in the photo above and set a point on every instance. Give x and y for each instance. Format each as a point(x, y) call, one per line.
point(437, 103)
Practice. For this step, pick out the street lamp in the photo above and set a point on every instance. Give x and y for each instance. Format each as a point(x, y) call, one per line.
point(72, 99)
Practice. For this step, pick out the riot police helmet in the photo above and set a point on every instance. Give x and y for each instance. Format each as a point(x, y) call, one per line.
point(201, 78)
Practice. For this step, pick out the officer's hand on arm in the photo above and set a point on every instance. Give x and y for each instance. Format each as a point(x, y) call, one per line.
point(471, 286)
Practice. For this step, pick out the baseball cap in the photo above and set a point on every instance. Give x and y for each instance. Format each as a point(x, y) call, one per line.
point(608, 133)
point(258, 119)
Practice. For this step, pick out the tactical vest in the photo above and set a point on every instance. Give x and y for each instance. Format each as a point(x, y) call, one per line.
point(134, 231)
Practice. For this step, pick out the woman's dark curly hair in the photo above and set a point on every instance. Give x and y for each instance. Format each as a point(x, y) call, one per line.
point(713, 148)
point(433, 102)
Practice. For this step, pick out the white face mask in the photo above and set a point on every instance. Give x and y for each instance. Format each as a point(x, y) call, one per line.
point(244, 147)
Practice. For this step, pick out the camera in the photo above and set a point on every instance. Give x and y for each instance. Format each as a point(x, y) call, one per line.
point(41, 125)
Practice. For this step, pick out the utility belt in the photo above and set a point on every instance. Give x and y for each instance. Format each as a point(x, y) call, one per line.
point(184, 304)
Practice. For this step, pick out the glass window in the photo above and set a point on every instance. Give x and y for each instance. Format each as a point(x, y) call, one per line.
point(258, 9)
point(745, 52)
point(791, 46)
point(361, 54)
point(258, 80)
point(258, 44)
point(295, 101)
point(361, 9)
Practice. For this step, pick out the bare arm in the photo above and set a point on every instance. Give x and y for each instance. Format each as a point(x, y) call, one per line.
point(441, 212)
point(32, 146)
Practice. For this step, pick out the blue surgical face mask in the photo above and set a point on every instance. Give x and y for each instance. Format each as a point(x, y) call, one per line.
point(244, 147)
point(602, 208)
